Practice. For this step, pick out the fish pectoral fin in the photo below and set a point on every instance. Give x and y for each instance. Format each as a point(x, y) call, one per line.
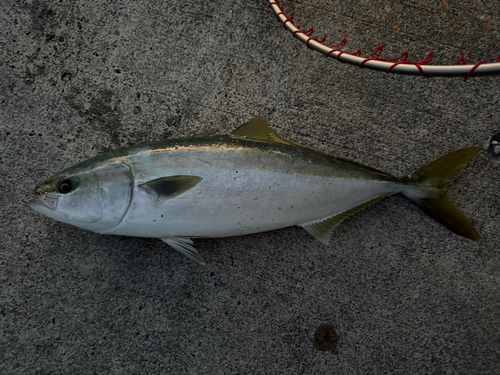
point(170, 187)
point(184, 246)
point(258, 128)
point(322, 229)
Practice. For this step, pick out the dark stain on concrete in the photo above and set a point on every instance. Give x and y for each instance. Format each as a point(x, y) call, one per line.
point(47, 13)
point(45, 20)
point(173, 121)
point(100, 112)
point(325, 337)
point(34, 55)
point(32, 73)
point(146, 132)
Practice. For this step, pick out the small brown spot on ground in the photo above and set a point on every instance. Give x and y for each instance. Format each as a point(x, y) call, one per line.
point(325, 337)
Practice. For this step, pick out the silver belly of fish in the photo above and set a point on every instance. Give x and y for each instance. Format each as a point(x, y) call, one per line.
point(233, 199)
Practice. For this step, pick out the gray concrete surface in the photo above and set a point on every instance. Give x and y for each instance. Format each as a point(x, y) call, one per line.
point(406, 295)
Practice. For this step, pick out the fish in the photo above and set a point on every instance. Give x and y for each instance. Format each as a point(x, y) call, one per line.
point(249, 181)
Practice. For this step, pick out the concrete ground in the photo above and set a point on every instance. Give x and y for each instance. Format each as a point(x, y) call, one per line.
point(405, 295)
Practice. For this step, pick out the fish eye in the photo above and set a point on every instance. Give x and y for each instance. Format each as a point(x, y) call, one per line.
point(65, 186)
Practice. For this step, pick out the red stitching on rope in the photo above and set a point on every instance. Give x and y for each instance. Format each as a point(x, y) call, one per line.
point(403, 56)
point(377, 52)
point(340, 45)
point(466, 77)
point(316, 40)
point(417, 64)
point(461, 61)
point(299, 31)
point(288, 19)
point(282, 10)
point(357, 53)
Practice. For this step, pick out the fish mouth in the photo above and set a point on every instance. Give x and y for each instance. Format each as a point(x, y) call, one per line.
point(46, 200)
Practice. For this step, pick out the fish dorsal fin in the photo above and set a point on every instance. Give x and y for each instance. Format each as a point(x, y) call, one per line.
point(184, 246)
point(170, 187)
point(322, 229)
point(258, 128)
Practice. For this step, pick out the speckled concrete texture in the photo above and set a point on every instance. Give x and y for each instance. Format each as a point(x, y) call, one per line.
point(405, 295)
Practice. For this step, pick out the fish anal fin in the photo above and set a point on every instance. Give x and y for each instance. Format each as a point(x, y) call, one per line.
point(322, 229)
point(171, 186)
point(184, 245)
point(258, 128)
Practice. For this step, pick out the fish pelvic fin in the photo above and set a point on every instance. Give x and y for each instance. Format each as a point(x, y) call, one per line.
point(184, 245)
point(322, 229)
point(432, 179)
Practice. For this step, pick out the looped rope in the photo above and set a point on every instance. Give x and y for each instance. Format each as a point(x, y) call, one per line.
point(374, 56)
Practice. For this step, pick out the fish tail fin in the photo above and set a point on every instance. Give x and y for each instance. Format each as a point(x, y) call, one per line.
point(430, 195)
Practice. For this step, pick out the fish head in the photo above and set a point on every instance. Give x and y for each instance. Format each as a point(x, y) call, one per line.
point(89, 196)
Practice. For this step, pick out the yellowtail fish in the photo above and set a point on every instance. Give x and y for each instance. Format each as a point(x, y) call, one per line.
point(249, 181)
